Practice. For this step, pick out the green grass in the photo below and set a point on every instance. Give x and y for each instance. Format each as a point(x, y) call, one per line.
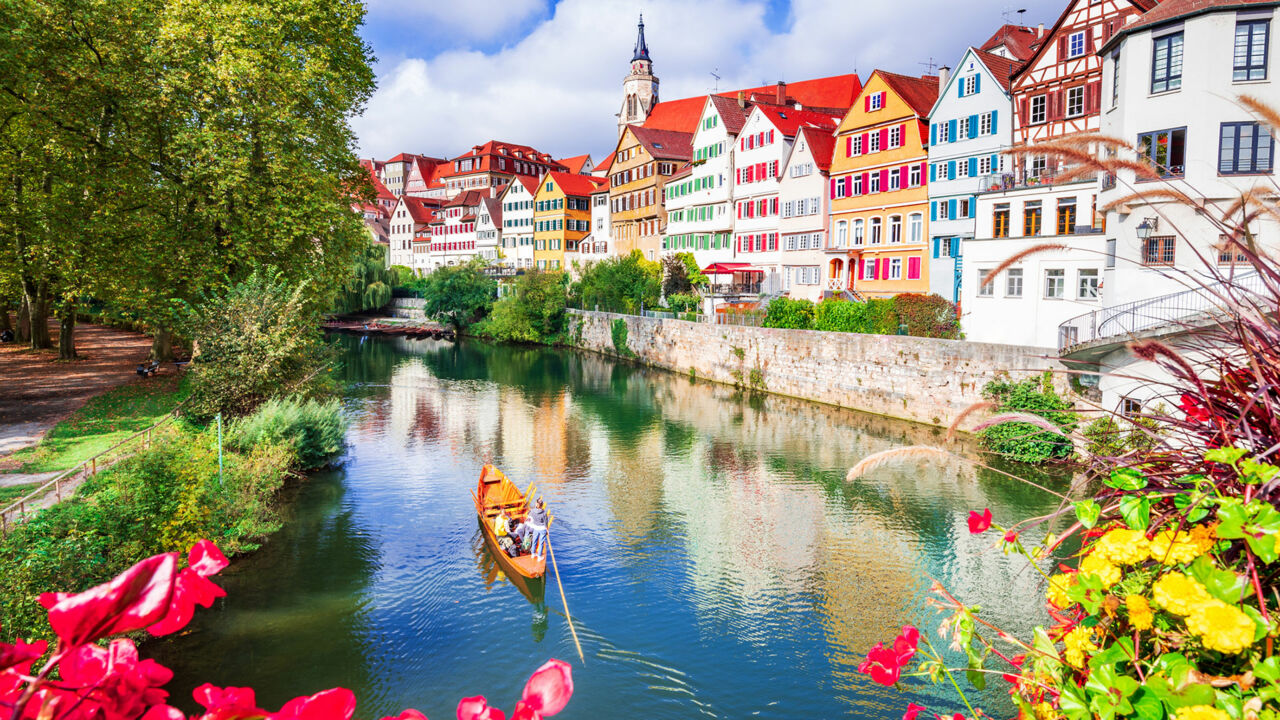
point(9, 493)
point(102, 422)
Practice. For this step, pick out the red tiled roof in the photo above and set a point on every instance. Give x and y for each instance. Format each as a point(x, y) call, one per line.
point(733, 116)
point(575, 184)
point(378, 188)
point(664, 144)
point(493, 149)
point(403, 157)
point(789, 120)
point(920, 93)
point(1020, 41)
point(838, 91)
point(1002, 67)
point(529, 182)
point(575, 164)
point(822, 145)
point(1143, 5)
point(420, 209)
point(1177, 9)
point(605, 164)
point(468, 198)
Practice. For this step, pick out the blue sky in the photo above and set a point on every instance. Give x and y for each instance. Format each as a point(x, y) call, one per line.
point(549, 74)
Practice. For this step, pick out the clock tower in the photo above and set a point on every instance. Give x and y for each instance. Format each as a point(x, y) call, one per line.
point(640, 89)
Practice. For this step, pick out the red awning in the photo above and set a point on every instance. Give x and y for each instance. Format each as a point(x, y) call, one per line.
point(729, 268)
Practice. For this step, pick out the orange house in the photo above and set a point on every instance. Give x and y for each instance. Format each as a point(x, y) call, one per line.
point(879, 188)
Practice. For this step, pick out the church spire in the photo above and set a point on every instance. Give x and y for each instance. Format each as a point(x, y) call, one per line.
point(642, 50)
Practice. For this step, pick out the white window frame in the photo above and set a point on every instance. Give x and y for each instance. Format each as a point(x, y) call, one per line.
point(1074, 97)
point(1040, 116)
point(1094, 288)
point(1076, 44)
point(970, 85)
point(988, 290)
point(1013, 283)
point(1055, 284)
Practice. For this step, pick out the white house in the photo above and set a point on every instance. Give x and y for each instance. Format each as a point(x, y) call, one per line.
point(699, 200)
point(489, 229)
point(969, 127)
point(599, 242)
point(517, 221)
point(408, 220)
point(803, 196)
point(453, 232)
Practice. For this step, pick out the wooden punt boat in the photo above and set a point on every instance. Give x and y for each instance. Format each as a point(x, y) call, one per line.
point(496, 494)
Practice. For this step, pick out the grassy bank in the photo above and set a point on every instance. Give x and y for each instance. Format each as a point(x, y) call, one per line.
point(104, 421)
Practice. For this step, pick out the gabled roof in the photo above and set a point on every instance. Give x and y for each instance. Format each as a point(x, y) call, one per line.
point(1019, 40)
point(1143, 5)
point(379, 188)
point(498, 149)
point(788, 121)
point(604, 165)
point(1170, 10)
point(664, 144)
point(467, 198)
point(575, 164)
point(733, 116)
point(837, 92)
point(420, 209)
point(919, 93)
point(428, 167)
point(822, 145)
point(1001, 67)
point(403, 157)
point(494, 206)
point(575, 184)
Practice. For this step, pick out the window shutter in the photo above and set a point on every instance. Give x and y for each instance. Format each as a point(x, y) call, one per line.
point(902, 176)
point(973, 167)
point(955, 247)
point(848, 146)
point(866, 104)
point(973, 126)
point(913, 267)
point(937, 243)
point(994, 128)
point(770, 136)
point(833, 188)
point(1062, 47)
point(933, 210)
point(977, 83)
point(933, 135)
point(933, 173)
point(903, 134)
point(922, 173)
point(951, 130)
point(883, 96)
point(866, 183)
point(862, 268)
point(884, 180)
point(884, 138)
point(866, 143)
point(951, 169)
point(875, 268)
point(951, 208)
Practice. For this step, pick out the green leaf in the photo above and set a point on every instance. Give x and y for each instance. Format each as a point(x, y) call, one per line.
point(1231, 519)
point(1170, 695)
point(1255, 473)
point(1225, 455)
point(1268, 670)
point(1117, 652)
point(1087, 512)
point(1222, 584)
point(1073, 704)
point(1184, 501)
point(1146, 705)
point(1136, 511)
point(1126, 479)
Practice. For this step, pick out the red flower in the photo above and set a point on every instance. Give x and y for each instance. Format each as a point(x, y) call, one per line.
point(193, 588)
point(912, 711)
point(227, 703)
point(409, 714)
point(476, 708)
point(548, 689)
point(21, 655)
point(1194, 410)
point(979, 523)
point(1011, 537)
point(883, 664)
point(131, 601)
point(335, 704)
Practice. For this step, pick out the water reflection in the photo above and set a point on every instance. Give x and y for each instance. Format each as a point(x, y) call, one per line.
point(715, 559)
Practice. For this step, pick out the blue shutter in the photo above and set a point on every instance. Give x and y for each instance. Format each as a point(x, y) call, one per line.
point(936, 243)
point(973, 167)
point(933, 172)
point(973, 126)
point(960, 86)
point(933, 134)
point(951, 169)
point(995, 164)
point(933, 211)
point(977, 83)
point(955, 247)
point(951, 130)
point(973, 206)
point(951, 208)
point(993, 122)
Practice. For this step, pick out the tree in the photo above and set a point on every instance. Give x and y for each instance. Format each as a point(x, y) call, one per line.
point(459, 294)
point(533, 313)
point(369, 285)
point(619, 284)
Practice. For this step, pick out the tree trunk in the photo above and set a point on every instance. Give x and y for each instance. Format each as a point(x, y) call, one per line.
point(5, 324)
point(162, 345)
point(24, 321)
point(38, 306)
point(67, 333)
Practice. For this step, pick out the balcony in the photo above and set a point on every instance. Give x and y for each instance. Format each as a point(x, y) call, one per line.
point(745, 287)
point(1000, 182)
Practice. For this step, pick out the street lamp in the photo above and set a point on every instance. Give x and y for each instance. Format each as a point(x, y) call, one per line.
point(1147, 226)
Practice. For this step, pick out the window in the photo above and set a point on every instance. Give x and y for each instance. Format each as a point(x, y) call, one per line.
point(1130, 407)
point(874, 183)
point(944, 210)
point(857, 145)
point(1166, 63)
point(915, 174)
point(895, 228)
point(875, 231)
point(970, 85)
point(842, 233)
point(962, 130)
point(895, 136)
point(1075, 45)
point(915, 228)
point(985, 121)
point(1031, 218)
point(857, 232)
point(1230, 253)
point(944, 131)
point(1013, 283)
point(1166, 150)
point(1000, 221)
point(1066, 216)
point(985, 289)
point(1055, 284)
point(962, 169)
point(895, 180)
point(869, 269)
point(875, 102)
point(857, 186)
point(895, 269)
point(1245, 148)
point(1158, 250)
point(873, 142)
point(984, 165)
point(1039, 166)
point(1087, 287)
point(1250, 59)
point(1115, 79)
point(1037, 109)
point(1075, 101)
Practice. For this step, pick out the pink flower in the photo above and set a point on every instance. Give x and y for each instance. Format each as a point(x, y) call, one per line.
point(477, 708)
point(979, 523)
point(1011, 537)
point(335, 704)
point(912, 711)
point(131, 601)
point(227, 703)
point(409, 714)
point(193, 588)
point(549, 688)
point(883, 664)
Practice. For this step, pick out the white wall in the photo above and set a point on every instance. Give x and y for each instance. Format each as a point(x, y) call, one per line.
point(718, 195)
point(804, 271)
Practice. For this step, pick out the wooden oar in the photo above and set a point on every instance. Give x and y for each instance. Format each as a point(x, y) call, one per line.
point(551, 551)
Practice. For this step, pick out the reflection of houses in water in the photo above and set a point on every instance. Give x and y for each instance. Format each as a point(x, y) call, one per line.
point(634, 482)
point(549, 418)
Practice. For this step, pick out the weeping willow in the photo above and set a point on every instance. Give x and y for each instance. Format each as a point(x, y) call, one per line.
point(368, 287)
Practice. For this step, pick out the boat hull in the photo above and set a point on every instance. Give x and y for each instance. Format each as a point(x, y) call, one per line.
point(533, 587)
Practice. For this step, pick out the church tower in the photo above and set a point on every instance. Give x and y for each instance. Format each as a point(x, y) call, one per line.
point(640, 89)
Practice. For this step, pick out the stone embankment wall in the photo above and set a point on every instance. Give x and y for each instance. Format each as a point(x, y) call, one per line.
point(407, 308)
point(919, 379)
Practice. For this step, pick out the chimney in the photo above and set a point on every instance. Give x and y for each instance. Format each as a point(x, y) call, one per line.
point(782, 93)
point(1040, 30)
point(742, 99)
point(944, 74)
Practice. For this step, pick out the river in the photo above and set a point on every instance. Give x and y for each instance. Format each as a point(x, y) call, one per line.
point(716, 562)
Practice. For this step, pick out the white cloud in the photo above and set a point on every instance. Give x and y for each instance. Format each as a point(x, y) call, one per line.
point(472, 20)
point(559, 87)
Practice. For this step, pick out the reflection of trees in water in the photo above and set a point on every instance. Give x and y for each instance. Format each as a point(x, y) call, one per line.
point(320, 567)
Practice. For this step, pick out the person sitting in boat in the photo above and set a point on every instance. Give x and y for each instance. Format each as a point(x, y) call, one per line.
point(538, 529)
point(500, 524)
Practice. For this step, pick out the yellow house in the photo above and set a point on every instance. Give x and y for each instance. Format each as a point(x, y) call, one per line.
point(879, 188)
point(643, 161)
point(561, 217)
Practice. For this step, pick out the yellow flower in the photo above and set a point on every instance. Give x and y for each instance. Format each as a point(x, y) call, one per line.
point(1045, 711)
point(1099, 567)
point(1139, 612)
point(1078, 642)
point(1201, 712)
point(1221, 627)
point(1204, 536)
point(1122, 547)
point(1178, 593)
point(1057, 592)
point(1172, 547)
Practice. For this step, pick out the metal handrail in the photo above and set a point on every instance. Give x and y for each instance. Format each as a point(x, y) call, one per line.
point(1139, 315)
point(89, 467)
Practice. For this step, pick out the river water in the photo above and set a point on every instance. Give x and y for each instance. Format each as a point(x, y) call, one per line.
point(715, 560)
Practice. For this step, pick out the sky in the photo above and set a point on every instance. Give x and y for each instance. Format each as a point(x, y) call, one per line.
point(457, 73)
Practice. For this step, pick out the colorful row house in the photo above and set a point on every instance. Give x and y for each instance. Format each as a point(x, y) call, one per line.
point(879, 189)
point(517, 221)
point(643, 162)
point(561, 217)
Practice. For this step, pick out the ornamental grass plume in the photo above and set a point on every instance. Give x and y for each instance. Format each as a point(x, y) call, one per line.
point(884, 457)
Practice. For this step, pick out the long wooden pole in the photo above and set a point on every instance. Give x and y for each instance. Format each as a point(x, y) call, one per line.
point(552, 552)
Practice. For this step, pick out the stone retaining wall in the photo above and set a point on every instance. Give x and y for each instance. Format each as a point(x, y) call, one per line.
point(919, 379)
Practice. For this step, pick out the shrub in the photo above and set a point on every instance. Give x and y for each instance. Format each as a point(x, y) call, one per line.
point(784, 312)
point(618, 284)
point(926, 315)
point(313, 430)
point(534, 313)
point(458, 294)
point(1022, 441)
point(873, 317)
point(257, 341)
point(618, 329)
point(683, 302)
point(1106, 438)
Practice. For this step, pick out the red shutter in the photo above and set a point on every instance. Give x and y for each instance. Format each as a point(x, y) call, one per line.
point(884, 138)
point(913, 268)
point(862, 265)
point(902, 176)
point(866, 105)
point(884, 180)
point(1062, 47)
point(833, 188)
point(1022, 111)
point(848, 146)
point(875, 269)
point(775, 206)
point(866, 183)
point(770, 136)
point(866, 143)
point(904, 134)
